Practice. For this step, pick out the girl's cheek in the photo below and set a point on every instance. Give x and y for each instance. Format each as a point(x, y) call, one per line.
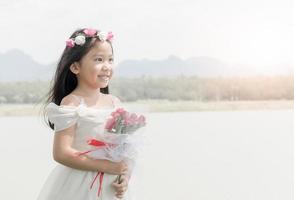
point(99, 67)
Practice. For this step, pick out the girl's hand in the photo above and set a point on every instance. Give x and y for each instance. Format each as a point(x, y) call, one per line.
point(118, 168)
point(121, 188)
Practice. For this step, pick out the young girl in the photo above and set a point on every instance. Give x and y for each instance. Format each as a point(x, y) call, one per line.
point(79, 102)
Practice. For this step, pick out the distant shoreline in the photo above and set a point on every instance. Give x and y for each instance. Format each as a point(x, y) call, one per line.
point(164, 106)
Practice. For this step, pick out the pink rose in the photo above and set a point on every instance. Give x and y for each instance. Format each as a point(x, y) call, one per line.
point(125, 115)
point(110, 124)
point(132, 118)
point(120, 110)
point(141, 119)
point(90, 32)
point(70, 43)
point(126, 122)
point(109, 36)
point(115, 114)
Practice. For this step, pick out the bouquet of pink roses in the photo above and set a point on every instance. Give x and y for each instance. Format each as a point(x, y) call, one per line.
point(119, 141)
point(123, 122)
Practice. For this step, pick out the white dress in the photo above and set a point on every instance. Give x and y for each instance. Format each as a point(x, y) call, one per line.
point(65, 183)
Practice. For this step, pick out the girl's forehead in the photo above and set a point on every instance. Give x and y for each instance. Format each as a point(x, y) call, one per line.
point(101, 48)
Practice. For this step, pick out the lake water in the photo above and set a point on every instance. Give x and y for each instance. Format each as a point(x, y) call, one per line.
point(236, 155)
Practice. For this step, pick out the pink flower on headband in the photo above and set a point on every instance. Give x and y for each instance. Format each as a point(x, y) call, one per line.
point(109, 36)
point(90, 32)
point(70, 43)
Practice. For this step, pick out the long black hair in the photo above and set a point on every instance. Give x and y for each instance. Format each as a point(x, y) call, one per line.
point(64, 81)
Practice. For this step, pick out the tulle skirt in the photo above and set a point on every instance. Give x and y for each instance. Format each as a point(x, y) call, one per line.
point(66, 183)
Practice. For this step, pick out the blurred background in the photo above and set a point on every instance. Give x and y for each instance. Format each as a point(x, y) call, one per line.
point(216, 77)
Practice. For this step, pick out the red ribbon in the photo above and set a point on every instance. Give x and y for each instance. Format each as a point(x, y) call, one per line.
point(92, 142)
point(100, 182)
point(96, 143)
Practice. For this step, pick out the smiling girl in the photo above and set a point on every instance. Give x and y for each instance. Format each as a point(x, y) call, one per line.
point(78, 104)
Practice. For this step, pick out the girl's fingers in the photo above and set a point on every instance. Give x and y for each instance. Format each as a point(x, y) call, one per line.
point(119, 195)
point(121, 190)
point(118, 186)
point(122, 184)
point(123, 180)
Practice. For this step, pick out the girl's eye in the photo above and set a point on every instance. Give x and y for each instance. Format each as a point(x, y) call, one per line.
point(98, 59)
point(111, 59)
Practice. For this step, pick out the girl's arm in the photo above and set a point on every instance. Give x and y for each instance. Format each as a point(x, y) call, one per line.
point(63, 152)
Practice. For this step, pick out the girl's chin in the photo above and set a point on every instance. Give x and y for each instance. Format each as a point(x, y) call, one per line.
point(102, 85)
point(103, 82)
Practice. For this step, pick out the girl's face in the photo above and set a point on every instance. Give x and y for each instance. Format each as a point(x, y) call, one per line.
point(95, 69)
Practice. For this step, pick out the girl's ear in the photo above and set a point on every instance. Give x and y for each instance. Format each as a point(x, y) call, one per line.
point(75, 68)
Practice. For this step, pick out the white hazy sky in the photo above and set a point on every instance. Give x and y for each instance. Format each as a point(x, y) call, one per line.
point(257, 32)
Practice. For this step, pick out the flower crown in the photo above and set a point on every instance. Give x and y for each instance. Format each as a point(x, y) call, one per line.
point(80, 39)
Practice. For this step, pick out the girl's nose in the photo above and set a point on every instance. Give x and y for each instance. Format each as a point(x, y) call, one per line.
point(105, 67)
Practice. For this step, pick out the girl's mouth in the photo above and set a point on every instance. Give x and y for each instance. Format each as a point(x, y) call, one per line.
point(104, 77)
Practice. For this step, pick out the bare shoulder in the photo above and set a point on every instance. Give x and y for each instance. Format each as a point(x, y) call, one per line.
point(70, 100)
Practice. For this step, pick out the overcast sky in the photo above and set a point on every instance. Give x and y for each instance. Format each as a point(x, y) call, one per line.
point(253, 32)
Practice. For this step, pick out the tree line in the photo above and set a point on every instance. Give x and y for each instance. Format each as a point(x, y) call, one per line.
point(174, 89)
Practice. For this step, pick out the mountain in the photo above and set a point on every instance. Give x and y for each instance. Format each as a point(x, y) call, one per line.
point(19, 66)
point(174, 66)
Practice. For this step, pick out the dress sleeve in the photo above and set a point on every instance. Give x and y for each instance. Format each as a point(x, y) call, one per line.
point(62, 116)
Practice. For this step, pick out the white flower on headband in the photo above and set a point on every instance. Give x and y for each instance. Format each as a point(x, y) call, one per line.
point(80, 40)
point(102, 35)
